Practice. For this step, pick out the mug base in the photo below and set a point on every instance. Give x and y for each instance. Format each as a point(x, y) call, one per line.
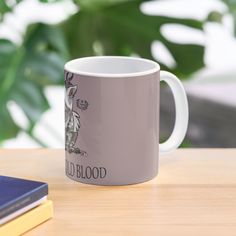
point(113, 183)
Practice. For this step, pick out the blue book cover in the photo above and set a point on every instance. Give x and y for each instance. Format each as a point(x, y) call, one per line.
point(17, 193)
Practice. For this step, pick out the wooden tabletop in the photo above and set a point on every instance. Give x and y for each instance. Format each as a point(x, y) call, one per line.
point(194, 194)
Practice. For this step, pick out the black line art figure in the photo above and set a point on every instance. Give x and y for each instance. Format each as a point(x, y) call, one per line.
point(72, 118)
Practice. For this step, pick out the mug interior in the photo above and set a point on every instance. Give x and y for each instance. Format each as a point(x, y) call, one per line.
point(112, 66)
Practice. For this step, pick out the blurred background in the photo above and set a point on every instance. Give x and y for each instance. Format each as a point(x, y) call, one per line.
point(195, 39)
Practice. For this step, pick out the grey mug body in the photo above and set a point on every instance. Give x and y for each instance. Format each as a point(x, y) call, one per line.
point(111, 122)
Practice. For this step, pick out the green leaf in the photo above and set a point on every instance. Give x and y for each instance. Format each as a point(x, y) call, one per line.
point(232, 10)
point(189, 58)
point(215, 16)
point(31, 99)
point(7, 6)
point(4, 7)
point(122, 29)
point(25, 70)
point(8, 128)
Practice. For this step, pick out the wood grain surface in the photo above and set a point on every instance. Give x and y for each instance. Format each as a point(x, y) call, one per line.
point(194, 194)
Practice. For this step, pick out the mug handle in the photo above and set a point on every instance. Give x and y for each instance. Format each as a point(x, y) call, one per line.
point(181, 110)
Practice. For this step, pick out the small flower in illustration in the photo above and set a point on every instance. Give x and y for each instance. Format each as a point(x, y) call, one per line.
point(82, 104)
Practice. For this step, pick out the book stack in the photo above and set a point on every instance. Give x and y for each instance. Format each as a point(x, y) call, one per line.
point(23, 205)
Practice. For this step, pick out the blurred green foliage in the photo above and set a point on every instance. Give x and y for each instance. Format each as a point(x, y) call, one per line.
point(101, 27)
point(232, 10)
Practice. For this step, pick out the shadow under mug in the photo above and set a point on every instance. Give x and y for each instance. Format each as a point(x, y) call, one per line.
point(112, 119)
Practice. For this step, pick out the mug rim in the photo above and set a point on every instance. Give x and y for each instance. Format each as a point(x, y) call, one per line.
point(155, 67)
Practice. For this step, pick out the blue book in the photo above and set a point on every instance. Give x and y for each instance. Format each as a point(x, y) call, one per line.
point(16, 194)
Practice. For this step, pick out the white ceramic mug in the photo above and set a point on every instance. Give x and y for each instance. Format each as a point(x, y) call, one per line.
point(112, 119)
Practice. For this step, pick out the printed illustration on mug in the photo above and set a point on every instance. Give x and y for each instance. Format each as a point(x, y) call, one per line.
point(72, 118)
